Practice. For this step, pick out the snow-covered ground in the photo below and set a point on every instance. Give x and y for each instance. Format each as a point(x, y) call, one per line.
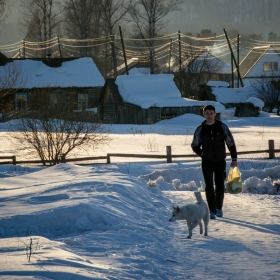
point(111, 221)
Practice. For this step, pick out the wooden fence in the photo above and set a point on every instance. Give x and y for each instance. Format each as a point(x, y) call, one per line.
point(168, 156)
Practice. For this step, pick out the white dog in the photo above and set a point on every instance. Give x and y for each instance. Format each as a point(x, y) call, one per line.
point(193, 214)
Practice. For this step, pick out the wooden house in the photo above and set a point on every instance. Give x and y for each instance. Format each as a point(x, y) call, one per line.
point(243, 99)
point(260, 62)
point(143, 99)
point(54, 81)
point(204, 67)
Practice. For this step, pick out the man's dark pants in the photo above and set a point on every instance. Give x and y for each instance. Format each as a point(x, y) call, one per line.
point(215, 197)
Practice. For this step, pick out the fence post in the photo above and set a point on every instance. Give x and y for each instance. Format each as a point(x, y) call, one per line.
point(108, 159)
point(271, 149)
point(63, 159)
point(168, 154)
point(14, 160)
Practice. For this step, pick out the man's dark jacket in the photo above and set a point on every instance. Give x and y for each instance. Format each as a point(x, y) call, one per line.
point(209, 141)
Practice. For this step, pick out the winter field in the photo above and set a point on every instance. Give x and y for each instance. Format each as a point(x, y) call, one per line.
point(110, 221)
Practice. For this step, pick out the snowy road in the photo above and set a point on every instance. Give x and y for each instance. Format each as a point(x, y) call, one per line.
point(242, 245)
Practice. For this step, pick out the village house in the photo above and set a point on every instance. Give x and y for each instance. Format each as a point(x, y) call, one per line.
point(243, 99)
point(52, 81)
point(205, 66)
point(260, 62)
point(142, 99)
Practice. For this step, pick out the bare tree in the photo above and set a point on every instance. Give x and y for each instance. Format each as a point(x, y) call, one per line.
point(3, 10)
point(268, 89)
point(113, 12)
point(41, 18)
point(86, 20)
point(273, 37)
point(150, 17)
point(198, 68)
point(82, 20)
point(11, 78)
point(54, 133)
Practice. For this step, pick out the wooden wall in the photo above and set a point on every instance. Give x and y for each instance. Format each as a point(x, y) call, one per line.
point(246, 110)
point(36, 96)
point(132, 115)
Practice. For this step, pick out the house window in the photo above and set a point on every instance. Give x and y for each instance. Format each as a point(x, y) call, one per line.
point(82, 101)
point(21, 100)
point(270, 66)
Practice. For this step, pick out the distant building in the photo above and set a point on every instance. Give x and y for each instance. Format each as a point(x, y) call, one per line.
point(260, 62)
point(134, 66)
point(54, 80)
point(208, 66)
point(244, 99)
point(142, 99)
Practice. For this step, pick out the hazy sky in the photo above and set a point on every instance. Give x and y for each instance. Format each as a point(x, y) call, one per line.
point(192, 17)
point(9, 29)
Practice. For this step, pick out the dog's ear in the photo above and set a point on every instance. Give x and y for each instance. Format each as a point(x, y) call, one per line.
point(177, 209)
point(174, 208)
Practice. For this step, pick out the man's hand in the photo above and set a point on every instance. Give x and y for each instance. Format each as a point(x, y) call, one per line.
point(234, 163)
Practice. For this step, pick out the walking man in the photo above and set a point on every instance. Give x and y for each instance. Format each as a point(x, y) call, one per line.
point(209, 143)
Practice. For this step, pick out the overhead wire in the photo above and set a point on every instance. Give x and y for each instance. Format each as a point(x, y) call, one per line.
point(41, 42)
point(11, 45)
point(202, 38)
point(86, 46)
point(83, 40)
point(13, 50)
point(259, 41)
point(41, 48)
point(136, 47)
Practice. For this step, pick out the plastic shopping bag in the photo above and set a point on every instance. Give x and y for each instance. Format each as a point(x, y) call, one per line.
point(234, 183)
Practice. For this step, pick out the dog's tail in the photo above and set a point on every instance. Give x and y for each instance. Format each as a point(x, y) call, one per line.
point(198, 197)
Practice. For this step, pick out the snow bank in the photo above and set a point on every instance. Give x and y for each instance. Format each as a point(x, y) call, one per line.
point(99, 203)
point(255, 181)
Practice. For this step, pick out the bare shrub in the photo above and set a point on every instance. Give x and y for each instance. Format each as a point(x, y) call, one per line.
point(53, 132)
point(152, 145)
point(268, 89)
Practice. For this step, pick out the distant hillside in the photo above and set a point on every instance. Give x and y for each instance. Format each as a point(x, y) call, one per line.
point(248, 16)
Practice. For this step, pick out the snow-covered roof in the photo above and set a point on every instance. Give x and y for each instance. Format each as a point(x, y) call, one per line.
point(157, 90)
point(233, 95)
point(256, 102)
point(81, 72)
point(253, 57)
point(135, 67)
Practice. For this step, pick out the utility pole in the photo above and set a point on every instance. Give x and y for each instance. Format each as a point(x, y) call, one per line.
point(124, 55)
point(59, 47)
point(114, 59)
point(170, 50)
point(232, 76)
point(180, 61)
point(237, 59)
point(237, 69)
point(23, 48)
